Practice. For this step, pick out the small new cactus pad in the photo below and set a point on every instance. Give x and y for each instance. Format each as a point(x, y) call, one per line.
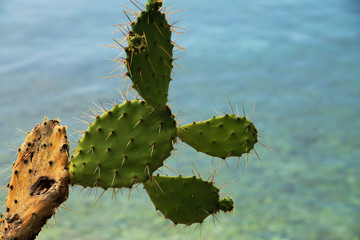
point(123, 146)
point(149, 55)
point(185, 200)
point(39, 182)
point(226, 204)
point(222, 137)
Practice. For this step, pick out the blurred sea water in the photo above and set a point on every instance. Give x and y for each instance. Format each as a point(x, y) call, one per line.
point(299, 61)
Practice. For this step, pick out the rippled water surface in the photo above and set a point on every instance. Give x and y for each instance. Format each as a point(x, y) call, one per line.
point(299, 61)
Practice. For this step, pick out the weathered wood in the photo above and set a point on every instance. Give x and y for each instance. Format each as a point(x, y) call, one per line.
point(39, 182)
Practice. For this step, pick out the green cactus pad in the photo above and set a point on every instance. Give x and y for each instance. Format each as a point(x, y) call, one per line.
point(124, 146)
point(184, 200)
point(224, 136)
point(149, 55)
point(226, 204)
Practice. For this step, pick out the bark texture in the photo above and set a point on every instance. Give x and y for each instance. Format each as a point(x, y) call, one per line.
point(39, 182)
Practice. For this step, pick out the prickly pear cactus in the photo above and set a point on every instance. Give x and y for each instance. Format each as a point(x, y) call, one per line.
point(149, 55)
point(39, 182)
point(124, 146)
point(222, 137)
point(186, 200)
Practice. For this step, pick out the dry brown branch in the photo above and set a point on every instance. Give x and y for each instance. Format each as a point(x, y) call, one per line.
point(39, 182)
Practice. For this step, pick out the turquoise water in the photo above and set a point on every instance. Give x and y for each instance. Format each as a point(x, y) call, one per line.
point(299, 61)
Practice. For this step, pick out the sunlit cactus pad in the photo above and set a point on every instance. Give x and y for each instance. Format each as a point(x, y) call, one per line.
point(222, 137)
point(185, 200)
point(123, 146)
point(149, 55)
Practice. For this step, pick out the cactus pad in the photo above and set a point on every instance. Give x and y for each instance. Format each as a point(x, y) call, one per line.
point(184, 200)
point(224, 136)
point(39, 182)
point(226, 204)
point(124, 146)
point(149, 55)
